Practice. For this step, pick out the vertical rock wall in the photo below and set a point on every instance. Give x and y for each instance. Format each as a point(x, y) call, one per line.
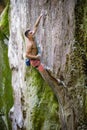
point(34, 103)
point(35, 107)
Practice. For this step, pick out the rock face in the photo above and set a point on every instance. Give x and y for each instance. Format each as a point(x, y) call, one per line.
point(56, 35)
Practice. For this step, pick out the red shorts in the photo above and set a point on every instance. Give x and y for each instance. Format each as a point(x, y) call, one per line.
point(37, 64)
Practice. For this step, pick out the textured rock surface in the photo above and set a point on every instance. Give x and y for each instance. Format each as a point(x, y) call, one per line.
point(30, 91)
point(56, 35)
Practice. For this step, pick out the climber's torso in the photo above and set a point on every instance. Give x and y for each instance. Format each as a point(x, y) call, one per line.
point(31, 47)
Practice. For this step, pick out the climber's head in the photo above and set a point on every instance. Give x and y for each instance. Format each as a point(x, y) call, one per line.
point(29, 34)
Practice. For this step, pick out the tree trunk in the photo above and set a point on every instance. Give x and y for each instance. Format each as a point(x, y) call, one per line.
point(62, 35)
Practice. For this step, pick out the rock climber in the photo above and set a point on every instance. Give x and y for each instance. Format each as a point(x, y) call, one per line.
point(33, 56)
point(32, 52)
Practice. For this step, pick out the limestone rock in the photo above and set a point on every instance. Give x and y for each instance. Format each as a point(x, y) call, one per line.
point(56, 35)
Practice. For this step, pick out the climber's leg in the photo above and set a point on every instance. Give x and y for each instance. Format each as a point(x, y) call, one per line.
point(48, 71)
point(41, 68)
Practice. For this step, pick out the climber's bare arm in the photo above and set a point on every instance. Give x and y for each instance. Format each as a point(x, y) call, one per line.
point(32, 56)
point(37, 23)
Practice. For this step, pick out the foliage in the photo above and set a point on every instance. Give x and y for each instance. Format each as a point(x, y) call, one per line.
point(6, 99)
point(4, 24)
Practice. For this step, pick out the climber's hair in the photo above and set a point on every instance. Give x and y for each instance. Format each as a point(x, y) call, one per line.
point(26, 32)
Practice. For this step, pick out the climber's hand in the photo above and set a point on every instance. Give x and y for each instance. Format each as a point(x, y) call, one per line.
point(38, 56)
point(43, 13)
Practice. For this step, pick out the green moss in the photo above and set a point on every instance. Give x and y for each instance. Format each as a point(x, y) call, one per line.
point(76, 65)
point(46, 109)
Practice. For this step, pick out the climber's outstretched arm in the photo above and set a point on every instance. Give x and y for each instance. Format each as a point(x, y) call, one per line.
point(37, 23)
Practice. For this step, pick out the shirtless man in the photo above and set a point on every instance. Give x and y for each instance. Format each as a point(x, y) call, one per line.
point(31, 47)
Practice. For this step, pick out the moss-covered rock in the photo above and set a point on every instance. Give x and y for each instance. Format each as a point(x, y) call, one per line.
point(43, 106)
point(79, 61)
